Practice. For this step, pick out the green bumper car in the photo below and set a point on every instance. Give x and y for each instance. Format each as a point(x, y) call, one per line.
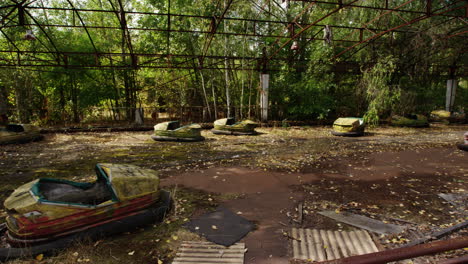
point(348, 127)
point(228, 126)
point(410, 120)
point(19, 133)
point(447, 117)
point(172, 131)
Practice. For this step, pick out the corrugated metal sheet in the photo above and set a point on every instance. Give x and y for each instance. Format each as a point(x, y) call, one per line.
point(209, 253)
point(320, 245)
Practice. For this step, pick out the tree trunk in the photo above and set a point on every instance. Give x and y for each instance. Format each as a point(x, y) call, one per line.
point(22, 104)
point(74, 97)
point(3, 107)
point(204, 93)
point(214, 101)
point(250, 94)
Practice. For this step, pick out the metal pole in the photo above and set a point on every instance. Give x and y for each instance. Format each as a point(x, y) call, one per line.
point(459, 260)
point(451, 90)
point(264, 80)
point(404, 253)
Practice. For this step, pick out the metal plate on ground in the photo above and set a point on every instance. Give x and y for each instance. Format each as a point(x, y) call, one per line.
point(364, 222)
point(459, 200)
point(209, 253)
point(222, 226)
point(320, 245)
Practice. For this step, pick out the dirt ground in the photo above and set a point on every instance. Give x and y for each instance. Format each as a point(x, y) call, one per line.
point(391, 174)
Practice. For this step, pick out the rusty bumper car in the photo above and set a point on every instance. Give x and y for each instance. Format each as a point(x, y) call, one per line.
point(229, 126)
point(172, 131)
point(348, 127)
point(49, 214)
point(19, 133)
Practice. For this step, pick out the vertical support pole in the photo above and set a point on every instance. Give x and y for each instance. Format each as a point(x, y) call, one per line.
point(264, 81)
point(451, 89)
point(450, 95)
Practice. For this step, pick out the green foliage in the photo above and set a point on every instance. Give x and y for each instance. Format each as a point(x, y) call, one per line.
point(398, 74)
point(381, 95)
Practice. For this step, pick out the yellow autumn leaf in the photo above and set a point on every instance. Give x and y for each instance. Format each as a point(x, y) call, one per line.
point(40, 257)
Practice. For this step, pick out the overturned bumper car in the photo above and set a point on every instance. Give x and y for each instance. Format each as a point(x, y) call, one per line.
point(411, 120)
point(228, 126)
point(19, 133)
point(348, 127)
point(172, 131)
point(49, 214)
point(464, 145)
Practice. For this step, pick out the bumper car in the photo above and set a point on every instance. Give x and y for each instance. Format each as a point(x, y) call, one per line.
point(410, 120)
point(172, 131)
point(49, 214)
point(228, 126)
point(18, 133)
point(464, 145)
point(348, 127)
point(448, 117)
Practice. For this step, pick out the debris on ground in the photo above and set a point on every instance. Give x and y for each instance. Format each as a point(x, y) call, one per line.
point(364, 222)
point(207, 252)
point(222, 226)
point(320, 245)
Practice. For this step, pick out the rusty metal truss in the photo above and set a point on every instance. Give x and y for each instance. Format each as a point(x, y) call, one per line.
point(275, 34)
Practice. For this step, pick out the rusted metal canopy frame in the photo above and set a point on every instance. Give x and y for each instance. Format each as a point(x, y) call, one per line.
point(46, 34)
point(226, 33)
point(13, 8)
point(196, 31)
point(75, 10)
point(84, 26)
point(217, 22)
point(126, 39)
point(425, 16)
point(22, 3)
point(403, 253)
point(364, 26)
point(370, 7)
point(398, 31)
point(309, 26)
point(257, 21)
point(189, 16)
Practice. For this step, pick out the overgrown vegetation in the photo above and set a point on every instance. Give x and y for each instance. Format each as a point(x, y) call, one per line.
point(399, 72)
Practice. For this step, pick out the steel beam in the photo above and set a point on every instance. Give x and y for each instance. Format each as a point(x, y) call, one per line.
point(404, 253)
